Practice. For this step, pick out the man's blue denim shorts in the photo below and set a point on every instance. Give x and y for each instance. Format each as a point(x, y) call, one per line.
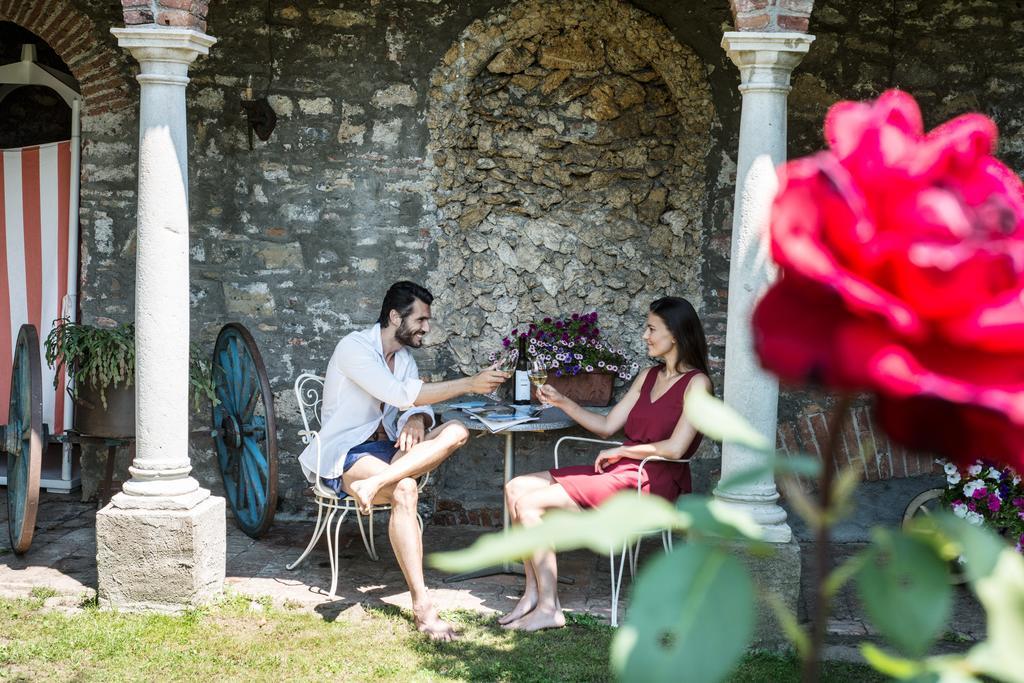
point(383, 450)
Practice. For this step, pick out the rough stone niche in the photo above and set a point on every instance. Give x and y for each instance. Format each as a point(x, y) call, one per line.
point(568, 141)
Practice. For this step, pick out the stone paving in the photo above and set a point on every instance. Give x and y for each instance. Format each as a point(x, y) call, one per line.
point(63, 558)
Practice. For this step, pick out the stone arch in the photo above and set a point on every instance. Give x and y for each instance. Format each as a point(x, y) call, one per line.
point(89, 52)
point(584, 273)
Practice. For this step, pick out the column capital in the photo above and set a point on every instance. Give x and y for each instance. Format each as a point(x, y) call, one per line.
point(155, 44)
point(766, 60)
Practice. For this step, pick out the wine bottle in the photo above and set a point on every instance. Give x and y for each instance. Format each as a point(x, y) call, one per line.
point(521, 392)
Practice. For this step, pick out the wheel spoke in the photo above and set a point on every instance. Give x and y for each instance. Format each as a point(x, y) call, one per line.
point(257, 457)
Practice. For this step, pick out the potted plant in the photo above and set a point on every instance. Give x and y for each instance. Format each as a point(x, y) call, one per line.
point(581, 364)
point(100, 362)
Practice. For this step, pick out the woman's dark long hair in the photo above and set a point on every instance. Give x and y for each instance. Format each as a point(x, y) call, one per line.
point(682, 322)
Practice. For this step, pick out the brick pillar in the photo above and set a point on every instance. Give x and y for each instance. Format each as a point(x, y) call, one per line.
point(771, 16)
point(179, 13)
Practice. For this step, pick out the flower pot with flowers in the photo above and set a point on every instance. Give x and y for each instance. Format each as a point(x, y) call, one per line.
point(987, 493)
point(581, 365)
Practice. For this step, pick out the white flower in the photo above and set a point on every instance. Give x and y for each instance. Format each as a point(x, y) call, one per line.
point(590, 368)
point(578, 356)
point(613, 368)
point(949, 468)
point(954, 478)
point(993, 473)
point(554, 363)
point(623, 375)
point(974, 470)
point(960, 510)
point(974, 518)
point(972, 486)
point(600, 363)
point(1016, 479)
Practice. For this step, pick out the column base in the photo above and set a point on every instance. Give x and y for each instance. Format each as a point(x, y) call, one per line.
point(161, 560)
point(764, 510)
point(160, 494)
point(776, 573)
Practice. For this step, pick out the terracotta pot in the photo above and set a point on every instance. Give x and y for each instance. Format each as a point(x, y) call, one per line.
point(586, 388)
point(117, 420)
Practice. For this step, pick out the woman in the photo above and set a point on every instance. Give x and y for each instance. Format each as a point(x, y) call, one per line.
point(651, 414)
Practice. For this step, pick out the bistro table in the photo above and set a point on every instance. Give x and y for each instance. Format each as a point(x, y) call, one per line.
point(549, 419)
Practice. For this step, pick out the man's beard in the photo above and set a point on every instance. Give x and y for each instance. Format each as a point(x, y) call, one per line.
point(407, 336)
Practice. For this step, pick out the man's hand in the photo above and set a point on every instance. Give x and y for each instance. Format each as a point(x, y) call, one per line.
point(487, 381)
point(607, 458)
point(412, 433)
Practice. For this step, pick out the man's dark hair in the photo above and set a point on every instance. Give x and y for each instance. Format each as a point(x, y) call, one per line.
point(400, 297)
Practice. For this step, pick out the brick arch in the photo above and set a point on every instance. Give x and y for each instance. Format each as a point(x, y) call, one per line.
point(771, 15)
point(102, 70)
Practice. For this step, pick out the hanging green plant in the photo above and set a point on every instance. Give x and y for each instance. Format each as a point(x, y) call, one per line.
point(105, 358)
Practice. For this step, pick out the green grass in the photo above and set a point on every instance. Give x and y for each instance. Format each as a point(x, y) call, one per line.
point(246, 639)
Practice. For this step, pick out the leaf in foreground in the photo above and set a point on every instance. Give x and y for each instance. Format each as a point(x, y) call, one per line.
point(624, 517)
point(904, 586)
point(691, 618)
point(713, 418)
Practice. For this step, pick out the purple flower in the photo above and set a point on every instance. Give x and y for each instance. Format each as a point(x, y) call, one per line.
point(559, 324)
point(575, 316)
point(515, 332)
point(981, 492)
point(547, 321)
point(994, 503)
point(558, 372)
point(506, 343)
point(971, 506)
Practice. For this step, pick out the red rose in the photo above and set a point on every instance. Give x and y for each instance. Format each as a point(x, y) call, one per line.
point(902, 273)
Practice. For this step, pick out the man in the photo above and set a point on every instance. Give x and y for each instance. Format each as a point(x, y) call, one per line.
point(369, 451)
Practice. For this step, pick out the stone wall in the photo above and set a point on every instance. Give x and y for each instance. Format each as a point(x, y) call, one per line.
point(362, 182)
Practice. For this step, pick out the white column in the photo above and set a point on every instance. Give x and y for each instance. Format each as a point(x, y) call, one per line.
point(160, 471)
point(765, 61)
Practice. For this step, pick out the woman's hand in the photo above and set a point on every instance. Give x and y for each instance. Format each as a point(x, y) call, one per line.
point(607, 458)
point(551, 396)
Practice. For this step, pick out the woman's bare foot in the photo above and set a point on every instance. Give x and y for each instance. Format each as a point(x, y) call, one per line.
point(540, 618)
point(429, 623)
point(522, 608)
point(364, 491)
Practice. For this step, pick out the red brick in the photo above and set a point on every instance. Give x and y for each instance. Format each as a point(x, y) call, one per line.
point(33, 17)
point(137, 17)
point(179, 18)
point(748, 6)
point(790, 22)
point(175, 4)
point(796, 6)
point(755, 22)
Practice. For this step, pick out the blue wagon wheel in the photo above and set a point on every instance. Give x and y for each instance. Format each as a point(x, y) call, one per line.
point(23, 440)
point(244, 429)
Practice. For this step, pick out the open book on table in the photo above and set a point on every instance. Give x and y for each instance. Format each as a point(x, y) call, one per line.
point(498, 418)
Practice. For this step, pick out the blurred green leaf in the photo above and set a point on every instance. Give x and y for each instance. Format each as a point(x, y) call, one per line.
point(706, 516)
point(625, 516)
point(803, 465)
point(691, 618)
point(896, 667)
point(904, 586)
point(790, 626)
point(1001, 593)
point(838, 577)
point(713, 418)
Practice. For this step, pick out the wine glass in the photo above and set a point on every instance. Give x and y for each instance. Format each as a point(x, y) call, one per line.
point(538, 373)
point(505, 361)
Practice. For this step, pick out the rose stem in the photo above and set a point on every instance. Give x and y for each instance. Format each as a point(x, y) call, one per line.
point(812, 665)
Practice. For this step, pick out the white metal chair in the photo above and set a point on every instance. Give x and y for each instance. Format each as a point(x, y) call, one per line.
point(309, 389)
point(632, 551)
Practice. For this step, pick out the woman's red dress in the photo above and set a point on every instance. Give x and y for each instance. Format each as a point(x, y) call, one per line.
point(648, 421)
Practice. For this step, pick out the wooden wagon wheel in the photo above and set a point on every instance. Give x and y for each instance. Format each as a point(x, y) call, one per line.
point(23, 440)
point(926, 504)
point(244, 429)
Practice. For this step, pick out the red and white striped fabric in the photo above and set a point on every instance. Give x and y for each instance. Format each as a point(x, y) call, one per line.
point(35, 242)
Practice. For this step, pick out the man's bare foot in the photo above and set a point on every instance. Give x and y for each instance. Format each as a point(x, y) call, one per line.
point(364, 491)
point(429, 623)
point(522, 608)
point(540, 618)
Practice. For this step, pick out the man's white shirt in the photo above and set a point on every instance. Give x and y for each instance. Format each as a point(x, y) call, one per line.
point(357, 382)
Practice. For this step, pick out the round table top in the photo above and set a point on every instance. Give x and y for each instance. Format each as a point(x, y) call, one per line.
point(551, 418)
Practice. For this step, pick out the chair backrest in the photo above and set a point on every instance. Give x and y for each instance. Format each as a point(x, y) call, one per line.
point(309, 392)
